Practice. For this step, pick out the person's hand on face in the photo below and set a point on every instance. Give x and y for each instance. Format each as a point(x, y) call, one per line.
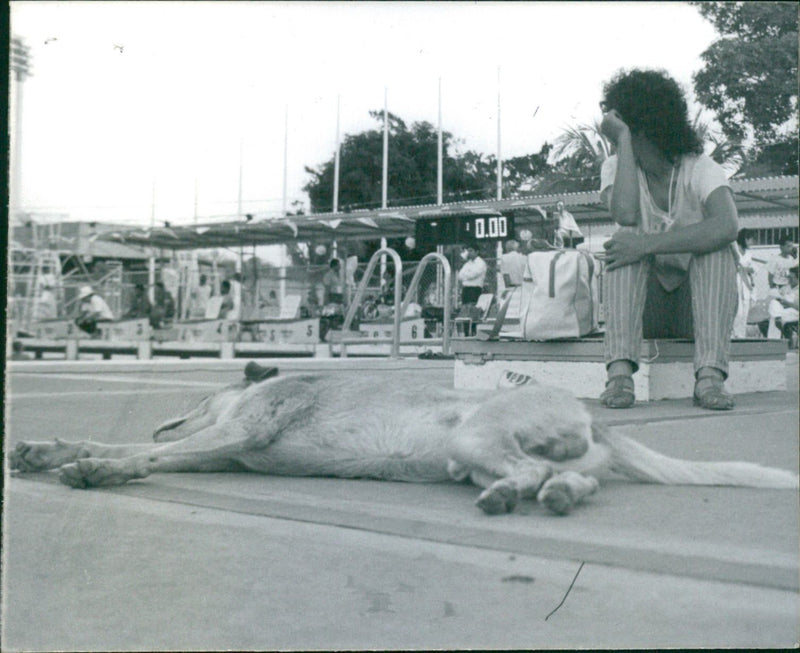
point(613, 126)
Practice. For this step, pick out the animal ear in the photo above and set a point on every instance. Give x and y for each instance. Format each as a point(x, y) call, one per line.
point(255, 373)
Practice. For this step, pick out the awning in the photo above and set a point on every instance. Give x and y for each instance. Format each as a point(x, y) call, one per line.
point(777, 195)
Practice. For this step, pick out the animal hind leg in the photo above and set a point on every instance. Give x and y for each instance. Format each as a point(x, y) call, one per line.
point(215, 448)
point(524, 483)
point(565, 490)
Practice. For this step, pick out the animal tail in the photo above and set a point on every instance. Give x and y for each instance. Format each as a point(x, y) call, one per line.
point(640, 463)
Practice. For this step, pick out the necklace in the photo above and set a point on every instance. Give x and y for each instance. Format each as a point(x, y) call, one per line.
point(669, 193)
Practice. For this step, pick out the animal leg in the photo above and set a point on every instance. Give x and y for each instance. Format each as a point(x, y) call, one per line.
point(214, 449)
point(40, 456)
point(524, 483)
point(566, 489)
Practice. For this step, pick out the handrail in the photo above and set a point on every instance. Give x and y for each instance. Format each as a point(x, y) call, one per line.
point(412, 287)
point(398, 295)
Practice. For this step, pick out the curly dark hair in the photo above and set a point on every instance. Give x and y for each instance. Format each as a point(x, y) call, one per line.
point(652, 104)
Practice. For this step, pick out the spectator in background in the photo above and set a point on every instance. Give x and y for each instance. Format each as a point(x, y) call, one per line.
point(140, 305)
point(332, 280)
point(745, 280)
point(512, 264)
point(567, 234)
point(163, 309)
point(45, 306)
point(783, 307)
point(471, 275)
point(236, 295)
point(779, 265)
point(199, 297)
point(92, 310)
point(226, 308)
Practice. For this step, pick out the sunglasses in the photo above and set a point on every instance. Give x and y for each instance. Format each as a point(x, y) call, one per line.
point(605, 107)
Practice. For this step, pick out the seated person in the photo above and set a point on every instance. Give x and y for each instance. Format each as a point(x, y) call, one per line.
point(227, 307)
point(163, 308)
point(92, 310)
point(783, 305)
point(670, 270)
point(512, 264)
point(332, 281)
point(140, 305)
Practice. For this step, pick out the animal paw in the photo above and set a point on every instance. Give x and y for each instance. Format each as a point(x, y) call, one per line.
point(41, 456)
point(497, 499)
point(99, 472)
point(562, 492)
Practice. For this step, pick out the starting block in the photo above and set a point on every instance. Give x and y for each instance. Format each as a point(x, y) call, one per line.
point(666, 369)
point(284, 332)
point(410, 329)
point(127, 330)
point(208, 331)
point(56, 330)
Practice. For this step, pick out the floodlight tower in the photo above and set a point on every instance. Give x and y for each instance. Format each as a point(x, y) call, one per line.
point(21, 67)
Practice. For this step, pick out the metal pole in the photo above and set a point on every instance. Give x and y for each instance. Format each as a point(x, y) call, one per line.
point(385, 179)
point(439, 151)
point(336, 163)
point(499, 153)
point(241, 165)
point(440, 199)
point(284, 254)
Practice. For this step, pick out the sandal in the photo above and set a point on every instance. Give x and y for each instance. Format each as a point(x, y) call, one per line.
point(618, 392)
point(709, 393)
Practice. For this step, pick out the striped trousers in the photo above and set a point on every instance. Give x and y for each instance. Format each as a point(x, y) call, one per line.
point(702, 309)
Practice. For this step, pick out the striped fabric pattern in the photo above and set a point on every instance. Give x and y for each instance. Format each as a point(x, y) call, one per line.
point(714, 300)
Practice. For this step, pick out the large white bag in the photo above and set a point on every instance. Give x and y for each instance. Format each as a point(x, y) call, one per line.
point(559, 295)
point(557, 299)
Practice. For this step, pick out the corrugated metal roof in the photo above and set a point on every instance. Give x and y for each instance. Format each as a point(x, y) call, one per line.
point(778, 195)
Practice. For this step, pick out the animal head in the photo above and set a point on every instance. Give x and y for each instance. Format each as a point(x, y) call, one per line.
point(208, 411)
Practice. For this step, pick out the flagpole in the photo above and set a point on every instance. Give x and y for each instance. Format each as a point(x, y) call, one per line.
point(439, 194)
point(283, 253)
point(336, 162)
point(241, 165)
point(439, 198)
point(385, 180)
point(499, 152)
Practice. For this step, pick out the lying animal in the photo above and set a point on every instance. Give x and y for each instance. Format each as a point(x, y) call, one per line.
point(531, 441)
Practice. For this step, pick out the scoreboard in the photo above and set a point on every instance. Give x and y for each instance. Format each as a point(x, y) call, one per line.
point(461, 229)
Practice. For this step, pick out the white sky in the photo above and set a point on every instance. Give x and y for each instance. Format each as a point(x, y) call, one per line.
point(100, 125)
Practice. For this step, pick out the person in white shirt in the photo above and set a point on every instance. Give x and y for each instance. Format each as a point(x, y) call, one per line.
point(512, 264)
point(783, 305)
point(471, 275)
point(779, 265)
point(568, 232)
point(92, 310)
point(45, 306)
point(200, 296)
point(670, 271)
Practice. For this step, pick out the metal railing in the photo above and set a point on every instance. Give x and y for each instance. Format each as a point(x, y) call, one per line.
point(412, 288)
point(362, 286)
point(400, 304)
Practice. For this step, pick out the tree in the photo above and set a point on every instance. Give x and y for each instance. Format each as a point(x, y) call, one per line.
point(749, 78)
point(412, 174)
point(579, 154)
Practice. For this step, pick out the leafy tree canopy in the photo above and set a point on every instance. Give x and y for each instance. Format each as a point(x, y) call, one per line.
point(412, 173)
point(749, 78)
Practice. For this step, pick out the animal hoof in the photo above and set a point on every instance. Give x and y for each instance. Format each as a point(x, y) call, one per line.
point(497, 500)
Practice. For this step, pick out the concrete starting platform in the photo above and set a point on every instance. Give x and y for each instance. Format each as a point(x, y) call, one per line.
point(665, 369)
